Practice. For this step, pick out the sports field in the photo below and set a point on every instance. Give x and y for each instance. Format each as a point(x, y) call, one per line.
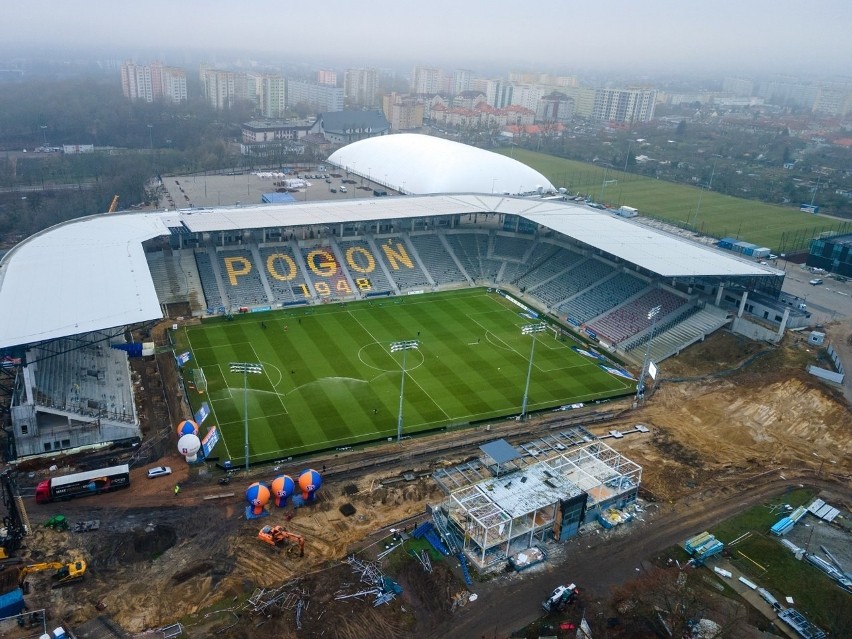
point(329, 378)
point(775, 227)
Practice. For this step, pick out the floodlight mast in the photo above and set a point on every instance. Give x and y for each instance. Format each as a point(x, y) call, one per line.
point(395, 347)
point(530, 329)
point(245, 368)
point(640, 387)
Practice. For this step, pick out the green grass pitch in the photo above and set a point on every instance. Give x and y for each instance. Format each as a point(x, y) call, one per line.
point(719, 215)
point(329, 378)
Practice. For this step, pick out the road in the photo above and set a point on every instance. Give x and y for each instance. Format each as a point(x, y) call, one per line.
point(598, 563)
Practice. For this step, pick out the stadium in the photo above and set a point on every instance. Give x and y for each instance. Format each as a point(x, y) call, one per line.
point(360, 319)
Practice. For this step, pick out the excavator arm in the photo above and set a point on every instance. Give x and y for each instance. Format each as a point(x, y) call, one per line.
point(65, 573)
point(28, 570)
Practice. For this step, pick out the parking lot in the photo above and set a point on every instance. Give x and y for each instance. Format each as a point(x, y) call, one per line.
point(826, 302)
point(248, 189)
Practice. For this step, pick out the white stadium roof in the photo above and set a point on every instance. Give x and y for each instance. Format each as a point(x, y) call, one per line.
point(81, 276)
point(91, 274)
point(419, 164)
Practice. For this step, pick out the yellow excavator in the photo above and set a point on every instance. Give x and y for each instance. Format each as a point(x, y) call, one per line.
point(65, 573)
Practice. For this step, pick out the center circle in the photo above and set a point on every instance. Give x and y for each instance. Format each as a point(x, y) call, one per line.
point(378, 357)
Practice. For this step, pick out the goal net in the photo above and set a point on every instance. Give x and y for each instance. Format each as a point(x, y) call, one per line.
point(200, 380)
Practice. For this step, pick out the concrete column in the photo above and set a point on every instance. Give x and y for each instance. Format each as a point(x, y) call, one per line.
point(783, 326)
point(719, 294)
point(742, 304)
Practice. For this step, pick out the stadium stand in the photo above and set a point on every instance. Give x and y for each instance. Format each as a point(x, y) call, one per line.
point(402, 263)
point(437, 260)
point(547, 261)
point(285, 278)
point(470, 249)
point(687, 326)
point(209, 283)
point(632, 318)
point(69, 384)
point(185, 261)
point(602, 297)
point(241, 279)
point(508, 247)
point(362, 263)
point(330, 280)
point(556, 290)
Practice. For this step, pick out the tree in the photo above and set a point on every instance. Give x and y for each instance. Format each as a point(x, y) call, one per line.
point(680, 131)
point(666, 602)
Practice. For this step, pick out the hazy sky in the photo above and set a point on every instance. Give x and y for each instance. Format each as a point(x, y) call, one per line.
point(807, 36)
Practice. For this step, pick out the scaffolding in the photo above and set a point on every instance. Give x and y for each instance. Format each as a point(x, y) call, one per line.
point(493, 516)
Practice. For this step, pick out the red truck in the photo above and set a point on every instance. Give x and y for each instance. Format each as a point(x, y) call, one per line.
point(90, 482)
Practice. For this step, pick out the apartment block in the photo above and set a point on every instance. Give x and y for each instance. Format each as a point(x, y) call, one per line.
point(360, 87)
point(319, 97)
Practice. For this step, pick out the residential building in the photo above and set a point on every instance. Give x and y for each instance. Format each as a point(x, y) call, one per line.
point(219, 87)
point(344, 127)
point(136, 82)
point(327, 77)
point(426, 80)
point(271, 95)
point(273, 138)
point(624, 105)
point(461, 81)
point(478, 84)
point(740, 87)
point(498, 93)
point(404, 113)
point(555, 107)
point(320, 97)
point(789, 92)
point(545, 79)
point(833, 100)
point(584, 100)
point(153, 82)
point(469, 99)
point(360, 87)
point(174, 84)
point(481, 116)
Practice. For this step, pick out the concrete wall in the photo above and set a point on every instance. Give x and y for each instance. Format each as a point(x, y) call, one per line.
point(752, 330)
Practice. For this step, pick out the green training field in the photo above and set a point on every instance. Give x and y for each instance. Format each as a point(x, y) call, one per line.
point(719, 215)
point(329, 378)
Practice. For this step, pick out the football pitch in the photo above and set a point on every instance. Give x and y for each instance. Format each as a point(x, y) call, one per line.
point(777, 227)
point(328, 377)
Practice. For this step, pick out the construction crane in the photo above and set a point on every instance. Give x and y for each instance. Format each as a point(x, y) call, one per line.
point(278, 536)
point(65, 573)
point(113, 205)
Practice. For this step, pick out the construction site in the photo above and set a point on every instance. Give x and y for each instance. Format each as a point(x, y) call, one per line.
point(708, 444)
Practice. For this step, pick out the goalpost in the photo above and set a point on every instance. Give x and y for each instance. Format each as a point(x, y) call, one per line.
point(200, 380)
point(558, 331)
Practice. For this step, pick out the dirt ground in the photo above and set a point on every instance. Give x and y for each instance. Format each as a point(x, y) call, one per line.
point(161, 557)
point(769, 415)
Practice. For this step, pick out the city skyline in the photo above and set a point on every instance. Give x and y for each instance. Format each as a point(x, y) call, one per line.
point(656, 35)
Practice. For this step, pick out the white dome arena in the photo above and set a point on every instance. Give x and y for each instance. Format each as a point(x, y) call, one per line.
point(423, 164)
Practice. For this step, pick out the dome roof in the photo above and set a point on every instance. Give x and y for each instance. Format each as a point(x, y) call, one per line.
point(422, 164)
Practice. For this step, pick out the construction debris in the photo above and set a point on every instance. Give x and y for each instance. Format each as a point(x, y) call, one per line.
point(424, 559)
point(383, 588)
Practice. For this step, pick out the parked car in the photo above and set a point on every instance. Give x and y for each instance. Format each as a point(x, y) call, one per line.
point(343, 189)
point(815, 282)
point(333, 190)
point(159, 471)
